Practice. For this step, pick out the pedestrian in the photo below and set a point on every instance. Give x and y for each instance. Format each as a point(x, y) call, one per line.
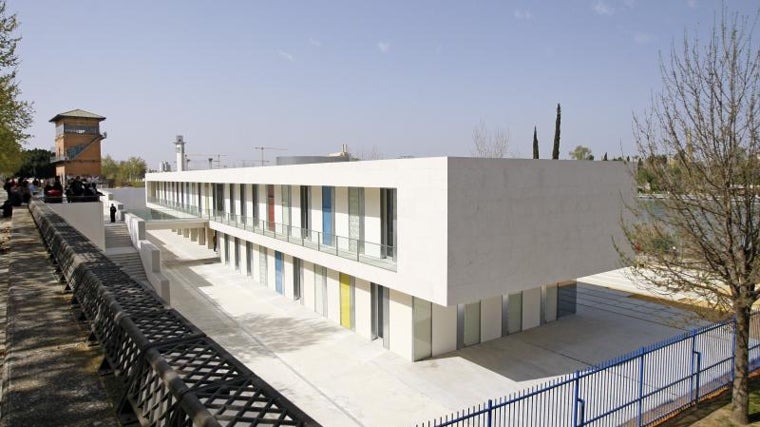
point(113, 213)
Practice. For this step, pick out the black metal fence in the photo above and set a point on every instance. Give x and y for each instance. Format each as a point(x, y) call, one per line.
point(174, 374)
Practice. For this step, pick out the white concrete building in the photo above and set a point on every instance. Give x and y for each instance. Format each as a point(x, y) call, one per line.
point(428, 255)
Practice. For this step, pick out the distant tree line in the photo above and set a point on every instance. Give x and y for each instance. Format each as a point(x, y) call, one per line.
point(124, 173)
point(35, 163)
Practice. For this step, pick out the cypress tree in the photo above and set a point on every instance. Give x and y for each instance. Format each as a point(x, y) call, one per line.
point(555, 152)
point(605, 156)
point(535, 143)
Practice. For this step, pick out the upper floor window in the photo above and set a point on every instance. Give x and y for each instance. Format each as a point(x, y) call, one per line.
point(80, 129)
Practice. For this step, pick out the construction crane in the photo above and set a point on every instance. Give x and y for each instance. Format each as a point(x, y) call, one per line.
point(267, 148)
point(210, 158)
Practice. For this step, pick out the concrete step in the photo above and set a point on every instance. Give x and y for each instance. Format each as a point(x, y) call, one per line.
point(131, 264)
point(117, 236)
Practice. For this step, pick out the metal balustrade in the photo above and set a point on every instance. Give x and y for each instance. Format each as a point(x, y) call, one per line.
point(375, 254)
point(173, 373)
point(637, 389)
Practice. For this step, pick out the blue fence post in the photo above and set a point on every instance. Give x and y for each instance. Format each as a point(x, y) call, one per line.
point(733, 346)
point(699, 370)
point(490, 417)
point(578, 415)
point(641, 388)
point(691, 367)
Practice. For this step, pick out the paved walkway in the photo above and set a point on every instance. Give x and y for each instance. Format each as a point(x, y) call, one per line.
point(50, 373)
point(342, 379)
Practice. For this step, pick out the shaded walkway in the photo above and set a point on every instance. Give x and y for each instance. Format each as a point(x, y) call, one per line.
point(50, 373)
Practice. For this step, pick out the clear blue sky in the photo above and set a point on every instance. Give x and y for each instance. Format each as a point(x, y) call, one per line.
point(408, 77)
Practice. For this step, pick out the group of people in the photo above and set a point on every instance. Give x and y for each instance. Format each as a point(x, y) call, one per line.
point(22, 190)
point(79, 190)
point(18, 191)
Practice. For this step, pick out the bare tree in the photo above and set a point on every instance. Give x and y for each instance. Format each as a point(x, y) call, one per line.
point(489, 144)
point(702, 238)
point(373, 153)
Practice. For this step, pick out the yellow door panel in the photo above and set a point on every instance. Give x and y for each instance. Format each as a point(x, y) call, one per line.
point(345, 300)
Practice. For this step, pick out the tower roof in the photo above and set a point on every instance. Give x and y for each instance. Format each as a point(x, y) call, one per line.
point(80, 114)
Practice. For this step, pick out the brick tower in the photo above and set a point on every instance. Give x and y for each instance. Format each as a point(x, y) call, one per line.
point(77, 143)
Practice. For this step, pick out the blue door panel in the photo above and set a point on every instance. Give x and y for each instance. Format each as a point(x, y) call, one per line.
point(278, 267)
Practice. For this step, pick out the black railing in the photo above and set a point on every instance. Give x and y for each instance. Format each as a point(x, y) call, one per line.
point(173, 373)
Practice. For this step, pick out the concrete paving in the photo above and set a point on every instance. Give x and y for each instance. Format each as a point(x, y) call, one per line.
point(341, 379)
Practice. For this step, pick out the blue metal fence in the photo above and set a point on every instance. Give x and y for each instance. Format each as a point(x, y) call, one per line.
point(636, 389)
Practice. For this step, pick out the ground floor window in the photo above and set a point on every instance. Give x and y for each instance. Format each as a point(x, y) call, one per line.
point(249, 259)
point(511, 314)
point(263, 266)
point(237, 253)
point(227, 249)
point(297, 279)
point(380, 308)
point(468, 324)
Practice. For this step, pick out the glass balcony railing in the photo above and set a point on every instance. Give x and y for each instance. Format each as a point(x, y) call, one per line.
point(375, 254)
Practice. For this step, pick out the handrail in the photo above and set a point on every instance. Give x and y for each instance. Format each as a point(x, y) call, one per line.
point(375, 254)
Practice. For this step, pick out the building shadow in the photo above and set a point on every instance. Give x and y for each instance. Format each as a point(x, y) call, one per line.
point(607, 325)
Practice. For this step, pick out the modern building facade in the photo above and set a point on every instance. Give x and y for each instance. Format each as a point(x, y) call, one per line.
point(77, 143)
point(426, 255)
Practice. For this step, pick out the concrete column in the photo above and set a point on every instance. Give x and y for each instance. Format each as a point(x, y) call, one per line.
point(210, 238)
point(333, 296)
point(201, 236)
point(185, 232)
point(444, 329)
point(363, 308)
point(193, 234)
point(490, 318)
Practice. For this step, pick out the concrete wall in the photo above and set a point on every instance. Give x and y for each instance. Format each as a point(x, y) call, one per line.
point(150, 256)
point(135, 228)
point(307, 293)
point(87, 218)
point(519, 224)
point(444, 329)
point(400, 309)
point(132, 198)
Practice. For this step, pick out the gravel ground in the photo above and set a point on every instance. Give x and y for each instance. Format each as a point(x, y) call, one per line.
point(5, 235)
